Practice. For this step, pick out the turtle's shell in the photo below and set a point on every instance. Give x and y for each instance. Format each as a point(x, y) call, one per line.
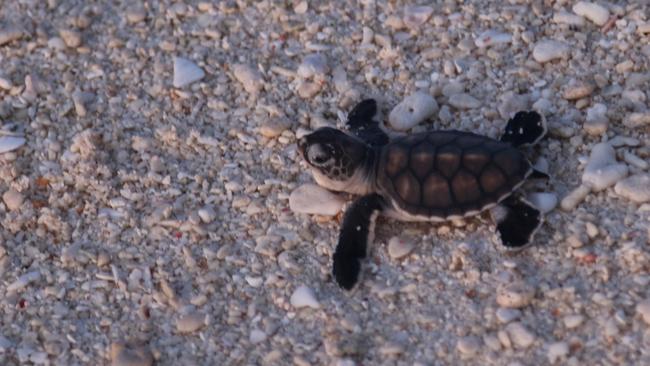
point(447, 174)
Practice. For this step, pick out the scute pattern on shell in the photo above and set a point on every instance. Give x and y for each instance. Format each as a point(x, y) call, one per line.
point(449, 173)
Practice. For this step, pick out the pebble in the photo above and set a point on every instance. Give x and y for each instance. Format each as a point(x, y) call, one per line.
point(135, 14)
point(492, 37)
point(469, 345)
point(9, 34)
point(520, 335)
point(557, 351)
point(506, 315)
point(544, 201)
point(573, 321)
point(301, 7)
point(123, 355)
point(399, 246)
point(602, 170)
point(308, 89)
point(24, 280)
point(71, 38)
point(592, 11)
point(564, 17)
point(578, 90)
point(515, 295)
point(302, 297)
point(190, 322)
point(314, 65)
point(391, 349)
point(548, 50)
point(207, 214)
point(274, 127)
point(79, 99)
point(596, 122)
point(635, 160)
point(250, 78)
point(643, 308)
point(464, 101)
point(637, 119)
point(636, 188)
point(315, 200)
point(643, 28)
point(13, 199)
point(10, 143)
point(56, 43)
point(186, 72)
point(416, 16)
point(257, 336)
point(511, 104)
point(413, 110)
point(5, 83)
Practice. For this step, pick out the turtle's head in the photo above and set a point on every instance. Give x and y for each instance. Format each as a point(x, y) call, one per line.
point(337, 159)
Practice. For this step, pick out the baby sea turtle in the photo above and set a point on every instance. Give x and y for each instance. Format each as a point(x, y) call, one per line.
point(428, 176)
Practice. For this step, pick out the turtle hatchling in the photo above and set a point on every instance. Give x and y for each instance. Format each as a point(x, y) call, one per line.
point(429, 176)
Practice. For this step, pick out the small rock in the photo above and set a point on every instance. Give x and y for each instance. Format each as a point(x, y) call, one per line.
point(135, 14)
point(643, 308)
point(413, 110)
point(399, 246)
point(315, 200)
point(564, 17)
point(24, 280)
point(637, 119)
point(469, 345)
point(643, 28)
point(71, 38)
point(56, 43)
point(250, 78)
point(274, 127)
point(464, 101)
point(575, 197)
point(301, 7)
point(578, 90)
point(308, 89)
point(123, 355)
point(636, 188)
point(186, 72)
point(13, 199)
point(313, 65)
point(515, 295)
point(520, 335)
point(79, 99)
point(340, 79)
point(548, 50)
point(592, 11)
point(416, 16)
point(257, 336)
point(391, 349)
point(573, 321)
point(302, 297)
point(635, 160)
point(5, 83)
point(207, 214)
point(9, 34)
point(190, 322)
point(597, 122)
point(512, 103)
point(557, 351)
point(506, 315)
point(602, 170)
point(544, 201)
point(492, 37)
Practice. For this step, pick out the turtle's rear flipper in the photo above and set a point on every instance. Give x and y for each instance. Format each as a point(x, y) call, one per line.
point(363, 123)
point(525, 128)
point(517, 221)
point(357, 231)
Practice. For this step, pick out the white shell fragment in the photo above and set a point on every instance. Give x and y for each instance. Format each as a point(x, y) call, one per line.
point(186, 72)
point(592, 11)
point(399, 246)
point(315, 200)
point(9, 143)
point(602, 170)
point(313, 65)
point(302, 297)
point(492, 37)
point(413, 110)
point(548, 50)
point(636, 188)
point(544, 201)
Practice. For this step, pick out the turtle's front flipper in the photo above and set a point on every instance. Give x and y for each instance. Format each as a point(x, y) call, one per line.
point(525, 128)
point(363, 123)
point(357, 231)
point(517, 221)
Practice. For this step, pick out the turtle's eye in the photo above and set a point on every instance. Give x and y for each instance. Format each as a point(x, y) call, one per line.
point(318, 155)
